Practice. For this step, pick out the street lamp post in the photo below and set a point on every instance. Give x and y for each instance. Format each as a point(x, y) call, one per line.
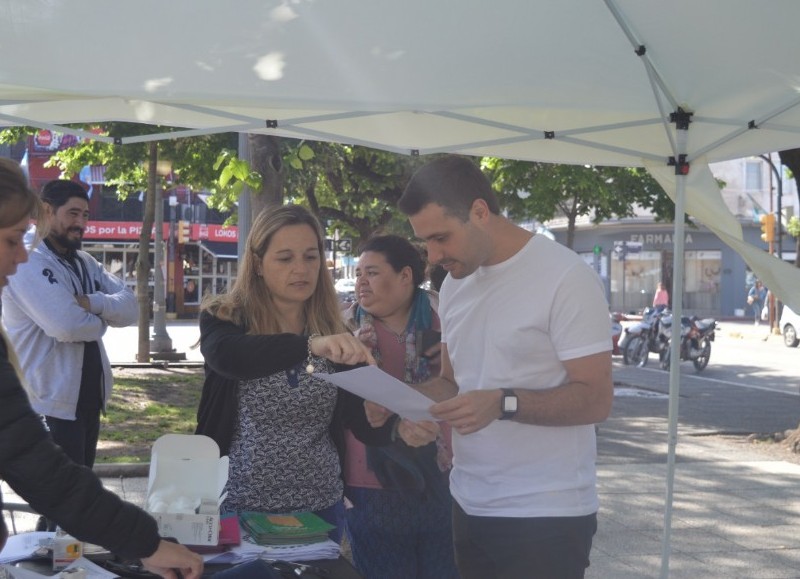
point(160, 341)
point(773, 307)
point(171, 277)
point(780, 202)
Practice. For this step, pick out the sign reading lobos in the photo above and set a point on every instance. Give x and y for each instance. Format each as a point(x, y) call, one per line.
point(655, 239)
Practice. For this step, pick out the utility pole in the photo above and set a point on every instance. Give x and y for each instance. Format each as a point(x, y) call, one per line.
point(773, 306)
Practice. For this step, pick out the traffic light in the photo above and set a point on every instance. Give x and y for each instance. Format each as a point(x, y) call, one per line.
point(184, 231)
point(768, 227)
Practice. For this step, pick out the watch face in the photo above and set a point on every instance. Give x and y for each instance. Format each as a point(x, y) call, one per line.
point(509, 404)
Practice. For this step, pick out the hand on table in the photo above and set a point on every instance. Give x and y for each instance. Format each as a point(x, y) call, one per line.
point(171, 556)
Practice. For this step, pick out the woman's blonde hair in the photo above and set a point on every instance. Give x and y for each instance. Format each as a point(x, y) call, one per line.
point(250, 304)
point(17, 200)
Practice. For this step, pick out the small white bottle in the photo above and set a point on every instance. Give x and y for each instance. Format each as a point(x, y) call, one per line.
point(66, 549)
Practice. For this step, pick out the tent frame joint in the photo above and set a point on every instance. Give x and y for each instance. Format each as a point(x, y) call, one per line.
point(681, 165)
point(681, 118)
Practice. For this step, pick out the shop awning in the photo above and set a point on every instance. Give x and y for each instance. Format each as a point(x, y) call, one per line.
point(221, 249)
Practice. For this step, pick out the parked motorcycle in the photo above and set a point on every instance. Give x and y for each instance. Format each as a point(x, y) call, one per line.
point(643, 337)
point(696, 338)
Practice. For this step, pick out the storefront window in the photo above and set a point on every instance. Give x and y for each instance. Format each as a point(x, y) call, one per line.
point(120, 260)
point(203, 272)
point(634, 279)
point(703, 275)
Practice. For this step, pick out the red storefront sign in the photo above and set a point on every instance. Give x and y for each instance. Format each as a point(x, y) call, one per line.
point(130, 230)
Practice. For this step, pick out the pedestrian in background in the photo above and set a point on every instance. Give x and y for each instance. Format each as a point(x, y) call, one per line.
point(281, 427)
point(756, 299)
point(526, 374)
point(661, 297)
point(38, 470)
point(56, 311)
point(400, 524)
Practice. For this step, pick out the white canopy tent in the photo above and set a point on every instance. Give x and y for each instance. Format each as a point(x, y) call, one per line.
point(670, 86)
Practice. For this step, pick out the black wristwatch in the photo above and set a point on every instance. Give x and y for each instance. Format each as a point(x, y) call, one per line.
point(509, 404)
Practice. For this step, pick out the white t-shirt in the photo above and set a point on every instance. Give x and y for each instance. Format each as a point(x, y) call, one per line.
point(509, 326)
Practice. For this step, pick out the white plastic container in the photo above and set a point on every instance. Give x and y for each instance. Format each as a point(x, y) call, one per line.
point(66, 550)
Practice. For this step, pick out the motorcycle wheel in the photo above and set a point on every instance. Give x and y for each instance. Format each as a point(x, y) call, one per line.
point(702, 360)
point(663, 358)
point(635, 353)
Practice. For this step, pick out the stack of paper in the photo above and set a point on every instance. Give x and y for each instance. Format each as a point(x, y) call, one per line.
point(284, 529)
point(248, 551)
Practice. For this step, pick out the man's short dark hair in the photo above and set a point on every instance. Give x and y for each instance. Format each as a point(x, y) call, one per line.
point(453, 182)
point(59, 191)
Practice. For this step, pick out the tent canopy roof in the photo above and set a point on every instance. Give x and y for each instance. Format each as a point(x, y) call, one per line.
point(471, 77)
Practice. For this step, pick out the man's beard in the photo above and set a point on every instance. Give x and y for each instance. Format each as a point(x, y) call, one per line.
point(68, 242)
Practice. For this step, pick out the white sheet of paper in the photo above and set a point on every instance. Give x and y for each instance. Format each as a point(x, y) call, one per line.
point(22, 546)
point(93, 571)
point(372, 383)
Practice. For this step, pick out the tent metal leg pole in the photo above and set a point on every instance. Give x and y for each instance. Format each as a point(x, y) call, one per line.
point(675, 357)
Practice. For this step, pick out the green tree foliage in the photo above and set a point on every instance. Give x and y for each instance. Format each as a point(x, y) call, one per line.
point(353, 189)
point(791, 159)
point(542, 191)
point(200, 162)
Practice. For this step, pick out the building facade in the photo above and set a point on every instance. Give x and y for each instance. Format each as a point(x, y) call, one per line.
point(633, 255)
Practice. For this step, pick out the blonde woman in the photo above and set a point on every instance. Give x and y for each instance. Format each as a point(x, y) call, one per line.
point(280, 426)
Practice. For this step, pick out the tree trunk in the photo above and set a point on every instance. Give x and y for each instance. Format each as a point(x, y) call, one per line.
point(143, 261)
point(571, 218)
point(791, 158)
point(265, 158)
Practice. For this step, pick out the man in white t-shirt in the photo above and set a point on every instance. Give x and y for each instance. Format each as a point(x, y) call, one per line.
point(526, 373)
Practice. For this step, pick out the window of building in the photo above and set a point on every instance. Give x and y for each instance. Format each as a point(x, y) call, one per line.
point(753, 180)
point(703, 271)
point(634, 279)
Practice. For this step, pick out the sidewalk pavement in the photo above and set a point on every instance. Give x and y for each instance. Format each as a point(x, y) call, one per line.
point(735, 514)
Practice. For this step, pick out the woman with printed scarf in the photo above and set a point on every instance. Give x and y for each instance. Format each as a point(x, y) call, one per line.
point(399, 524)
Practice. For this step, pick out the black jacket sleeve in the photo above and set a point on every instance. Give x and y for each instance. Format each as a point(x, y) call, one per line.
point(232, 353)
point(58, 488)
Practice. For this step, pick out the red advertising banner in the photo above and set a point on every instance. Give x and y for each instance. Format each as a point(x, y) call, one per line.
point(130, 230)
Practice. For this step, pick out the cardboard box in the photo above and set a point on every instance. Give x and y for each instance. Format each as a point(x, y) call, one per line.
point(184, 489)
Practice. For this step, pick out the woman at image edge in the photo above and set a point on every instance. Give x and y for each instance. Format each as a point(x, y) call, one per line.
point(36, 468)
point(281, 427)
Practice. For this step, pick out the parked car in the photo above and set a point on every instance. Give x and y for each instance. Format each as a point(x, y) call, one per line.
point(789, 325)
point(345, 289)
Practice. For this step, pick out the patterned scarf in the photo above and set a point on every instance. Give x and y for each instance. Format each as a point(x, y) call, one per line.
point(419, 320)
